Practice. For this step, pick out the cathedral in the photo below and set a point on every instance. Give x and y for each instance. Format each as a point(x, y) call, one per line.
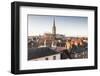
point(49, 39)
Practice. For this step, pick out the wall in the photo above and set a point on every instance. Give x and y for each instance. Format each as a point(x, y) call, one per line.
point(49, 57)
point(5, 39)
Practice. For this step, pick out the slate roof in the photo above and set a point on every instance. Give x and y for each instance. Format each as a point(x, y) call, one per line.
point(40, 52)
point(79, 49)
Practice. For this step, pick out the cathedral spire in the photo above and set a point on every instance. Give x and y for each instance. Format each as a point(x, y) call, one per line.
point(54, 28)
point(54, 22)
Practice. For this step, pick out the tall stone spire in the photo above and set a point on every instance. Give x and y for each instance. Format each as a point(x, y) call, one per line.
point(54, 34)
point(54, 28)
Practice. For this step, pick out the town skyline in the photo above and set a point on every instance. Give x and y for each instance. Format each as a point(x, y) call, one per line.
point(38, 25)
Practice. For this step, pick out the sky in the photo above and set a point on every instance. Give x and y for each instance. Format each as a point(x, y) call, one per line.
point(66, 25)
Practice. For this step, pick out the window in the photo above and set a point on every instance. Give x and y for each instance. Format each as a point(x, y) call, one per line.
point(54, 57)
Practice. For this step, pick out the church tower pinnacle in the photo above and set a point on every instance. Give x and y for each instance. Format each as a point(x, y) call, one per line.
point(54, 34)
point(54, 29)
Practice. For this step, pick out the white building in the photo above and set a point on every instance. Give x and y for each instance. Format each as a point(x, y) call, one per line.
point(51, 57)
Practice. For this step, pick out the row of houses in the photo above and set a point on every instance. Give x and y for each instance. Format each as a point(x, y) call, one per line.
point(46, 53)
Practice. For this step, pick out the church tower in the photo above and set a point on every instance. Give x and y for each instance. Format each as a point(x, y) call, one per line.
point(54, 29)
point(53, 34)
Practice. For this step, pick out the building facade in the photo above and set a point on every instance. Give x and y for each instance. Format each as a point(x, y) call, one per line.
point(51, 57)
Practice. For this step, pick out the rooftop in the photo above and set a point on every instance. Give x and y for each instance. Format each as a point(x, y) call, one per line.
point(40, 52)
